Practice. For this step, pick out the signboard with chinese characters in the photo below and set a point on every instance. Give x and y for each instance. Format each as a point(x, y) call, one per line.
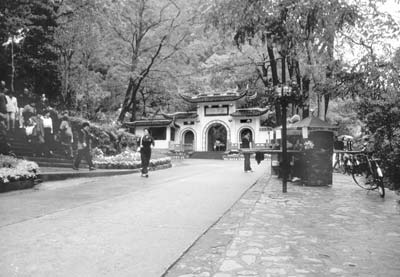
point(216, 110)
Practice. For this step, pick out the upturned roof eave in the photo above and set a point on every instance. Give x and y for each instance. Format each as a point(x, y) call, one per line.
point(180, 115)
point(257, 112)
point(213, 98)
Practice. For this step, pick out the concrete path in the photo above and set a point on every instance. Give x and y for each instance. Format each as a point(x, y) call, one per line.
point(116, 226)
point(310, 231)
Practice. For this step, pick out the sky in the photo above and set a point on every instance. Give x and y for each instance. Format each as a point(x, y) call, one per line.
point(393, 8)
point(383, 47)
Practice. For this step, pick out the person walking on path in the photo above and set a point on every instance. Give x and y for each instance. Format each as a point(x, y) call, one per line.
point(12, 110)
point(84, 146)
point(66, 135)
point(246, 145)
point(145, 151)
point(48, 133)
point(38, 142)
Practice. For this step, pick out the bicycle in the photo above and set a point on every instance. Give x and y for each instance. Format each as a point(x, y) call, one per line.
point(367, 173)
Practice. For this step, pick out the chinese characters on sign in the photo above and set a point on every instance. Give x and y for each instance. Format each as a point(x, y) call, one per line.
point(216, 110)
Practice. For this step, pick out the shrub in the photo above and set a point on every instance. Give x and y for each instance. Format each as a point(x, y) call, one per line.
point(110, 139)
point(382, 118)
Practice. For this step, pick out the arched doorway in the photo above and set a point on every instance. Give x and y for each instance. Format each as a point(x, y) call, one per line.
point(216, 137)
point(188, 140)
point(243, 132)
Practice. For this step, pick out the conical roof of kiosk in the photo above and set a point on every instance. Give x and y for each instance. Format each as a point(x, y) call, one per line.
point(313, 123)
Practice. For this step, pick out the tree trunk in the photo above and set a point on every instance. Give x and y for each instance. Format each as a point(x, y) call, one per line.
point(12, 64)
point(275, 81)
point(125, 105)
point(67, 57)
point(274, 69)
point(326, 104)
point(144, 100)
point(134, 104)
point(306, 88)
point(315, 78)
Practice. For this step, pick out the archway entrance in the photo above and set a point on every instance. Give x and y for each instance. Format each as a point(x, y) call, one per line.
point(188, 140)
point(216, 137)
point(243, 132)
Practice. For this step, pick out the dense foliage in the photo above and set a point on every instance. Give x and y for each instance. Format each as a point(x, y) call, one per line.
point(382, 118)
point(109, 138)
point(30, 60)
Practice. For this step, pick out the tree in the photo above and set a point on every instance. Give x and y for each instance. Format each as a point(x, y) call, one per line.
point(35, 64)
point(76, 39)
point(298, 35)
point(145, 33)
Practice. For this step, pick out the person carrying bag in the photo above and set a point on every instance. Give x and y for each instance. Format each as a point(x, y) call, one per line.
point(145, 151)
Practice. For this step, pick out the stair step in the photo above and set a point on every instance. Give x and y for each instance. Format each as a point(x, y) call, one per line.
point(23, 149)
point(55, 158)
point(61, 165)
point(50, 160)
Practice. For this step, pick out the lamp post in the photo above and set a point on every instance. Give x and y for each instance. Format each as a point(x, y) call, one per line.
point(285, 95)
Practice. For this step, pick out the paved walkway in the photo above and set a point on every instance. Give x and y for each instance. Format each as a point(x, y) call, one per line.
point(116, 226)
point(310, 231)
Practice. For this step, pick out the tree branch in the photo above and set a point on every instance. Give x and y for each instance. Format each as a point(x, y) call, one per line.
point(146, 71)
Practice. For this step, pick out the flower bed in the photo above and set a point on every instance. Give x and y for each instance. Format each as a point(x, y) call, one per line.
point(125, 160)
point(14, 172)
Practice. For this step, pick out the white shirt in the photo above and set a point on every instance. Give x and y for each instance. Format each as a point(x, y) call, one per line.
point(48, 123)
point(12, 105)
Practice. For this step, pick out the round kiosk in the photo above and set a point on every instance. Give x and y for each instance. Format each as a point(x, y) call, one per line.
point(314, 162)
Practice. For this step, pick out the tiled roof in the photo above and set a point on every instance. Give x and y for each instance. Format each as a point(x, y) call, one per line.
point(151, 123)
point(216, 97)
point(249, 112)
point(180, 115)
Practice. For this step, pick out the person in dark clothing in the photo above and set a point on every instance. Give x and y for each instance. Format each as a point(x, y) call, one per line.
point(145, 151)
point(338, 145)
point(4, 143)
point(28, 111)
point(3, 100)
point(349, 145)
point(259, 157)
point(246, 145)
point(43, 104)
point(84, 146)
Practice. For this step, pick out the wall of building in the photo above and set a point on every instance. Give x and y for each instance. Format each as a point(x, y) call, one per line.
point(158, 144)
point(201, 124)
point(233, 125)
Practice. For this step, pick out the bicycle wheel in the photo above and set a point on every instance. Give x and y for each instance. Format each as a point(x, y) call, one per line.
point(363, 179)
point(381, 187)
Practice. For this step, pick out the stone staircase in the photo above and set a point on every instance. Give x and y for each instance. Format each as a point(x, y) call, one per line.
point(213, 155)
point(58, 166)
point(25, 150)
